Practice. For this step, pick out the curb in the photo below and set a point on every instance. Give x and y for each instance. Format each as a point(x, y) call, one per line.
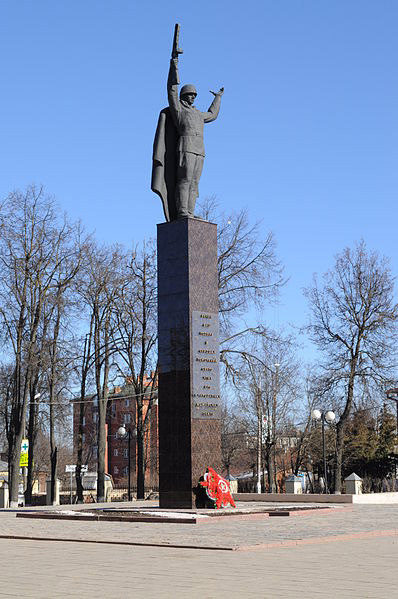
point(126, 543)
point(258, 547)
point(320, 540)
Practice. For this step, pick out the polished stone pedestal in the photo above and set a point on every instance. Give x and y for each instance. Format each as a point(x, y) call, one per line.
point(189, 387)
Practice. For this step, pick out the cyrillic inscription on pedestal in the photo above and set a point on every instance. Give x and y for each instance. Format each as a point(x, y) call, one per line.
point(205, 398)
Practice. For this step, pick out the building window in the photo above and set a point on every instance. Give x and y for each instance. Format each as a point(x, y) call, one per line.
point(125, 471)
point(95, 451)
point(126, 453)
point(126, 418)
point(95, 417)
point(115, 470)
point(127, 403)
point(83, 438)
point(115, 452)
point(84, 421)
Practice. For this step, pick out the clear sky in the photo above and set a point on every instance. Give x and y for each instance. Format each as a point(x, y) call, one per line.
point(306, 139)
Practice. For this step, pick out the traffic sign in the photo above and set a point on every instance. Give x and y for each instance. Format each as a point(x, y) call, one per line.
point(72, 468)
point(24, 458)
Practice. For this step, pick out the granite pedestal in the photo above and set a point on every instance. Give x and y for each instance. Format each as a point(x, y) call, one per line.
point(189, 384)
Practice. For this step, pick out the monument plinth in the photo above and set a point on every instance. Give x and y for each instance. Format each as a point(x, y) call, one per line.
point(189, 379)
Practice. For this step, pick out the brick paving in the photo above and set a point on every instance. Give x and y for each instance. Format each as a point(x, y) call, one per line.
point(304, 566)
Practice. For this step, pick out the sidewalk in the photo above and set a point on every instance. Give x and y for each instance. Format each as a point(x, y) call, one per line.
point(225, 533)
point(309, 561)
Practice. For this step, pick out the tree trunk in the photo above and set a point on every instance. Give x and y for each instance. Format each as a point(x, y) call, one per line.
point(54, 474)
point(79, 457)
point(344, 417)
point(339, 456)
point(84, 373)
point(33, 411)
point(53, 451)
point(101, 450)
point(269, 470)
point(18, 421)
point(13, 473)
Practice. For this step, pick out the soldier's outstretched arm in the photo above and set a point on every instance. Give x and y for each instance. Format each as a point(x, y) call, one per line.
point(214, 108)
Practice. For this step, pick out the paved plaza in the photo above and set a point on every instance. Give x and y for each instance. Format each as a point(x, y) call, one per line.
point(339, 553)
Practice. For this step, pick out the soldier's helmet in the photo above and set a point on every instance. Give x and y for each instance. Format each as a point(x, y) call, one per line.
point(188, 89)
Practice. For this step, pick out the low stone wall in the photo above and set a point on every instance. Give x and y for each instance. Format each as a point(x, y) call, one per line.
point(293, 498)
point(376, 498)
point(365, 498)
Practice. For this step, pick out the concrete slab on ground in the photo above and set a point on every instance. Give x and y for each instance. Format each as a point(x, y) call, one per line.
point(224, 533)
point(46, 570)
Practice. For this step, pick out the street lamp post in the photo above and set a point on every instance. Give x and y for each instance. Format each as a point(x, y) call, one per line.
point(392, 394)
point(124, 433)
point(259, 436)
point(247, 357)
point(328, 417)
point(274, 399)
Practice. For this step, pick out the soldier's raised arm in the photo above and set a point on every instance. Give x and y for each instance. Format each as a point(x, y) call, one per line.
point(173, 79)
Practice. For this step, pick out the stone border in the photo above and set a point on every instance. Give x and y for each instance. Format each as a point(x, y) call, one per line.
point(260, 546)
point(364, 498)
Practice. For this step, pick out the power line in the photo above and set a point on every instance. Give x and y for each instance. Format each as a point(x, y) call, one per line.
point(93, 400)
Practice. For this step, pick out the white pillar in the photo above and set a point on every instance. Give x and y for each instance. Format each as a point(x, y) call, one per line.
point(48, 491)
point(353, 484)
point(293, 485)
point(4, 496)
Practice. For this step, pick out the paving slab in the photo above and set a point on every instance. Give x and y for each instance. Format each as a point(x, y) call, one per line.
point(354, 569)
point(223, 533)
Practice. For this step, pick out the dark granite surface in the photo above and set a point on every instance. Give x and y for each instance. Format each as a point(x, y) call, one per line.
point(187, 282)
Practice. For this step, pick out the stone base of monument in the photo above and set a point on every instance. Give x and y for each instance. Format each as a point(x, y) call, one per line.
point(189, 380)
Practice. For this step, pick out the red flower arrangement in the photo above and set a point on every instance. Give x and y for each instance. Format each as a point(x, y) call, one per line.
point(217, 489)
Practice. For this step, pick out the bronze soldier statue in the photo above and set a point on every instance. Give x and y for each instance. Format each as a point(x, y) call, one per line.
point(178, 151)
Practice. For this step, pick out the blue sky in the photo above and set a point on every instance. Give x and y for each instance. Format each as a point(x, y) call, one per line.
point(306, 138)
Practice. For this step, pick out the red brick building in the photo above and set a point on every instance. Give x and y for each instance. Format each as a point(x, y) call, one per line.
point(121, 411)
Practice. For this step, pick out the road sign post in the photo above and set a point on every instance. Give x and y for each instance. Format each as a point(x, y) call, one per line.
point(24, 458)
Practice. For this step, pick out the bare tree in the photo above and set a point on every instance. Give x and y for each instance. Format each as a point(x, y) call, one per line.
point(98, 290)
point(59, 361)
point(353, 324)
point(135, 335)
point(249, 272)
point(83, 365)
point(30, 258)
point(233, 436)
point(266, 372)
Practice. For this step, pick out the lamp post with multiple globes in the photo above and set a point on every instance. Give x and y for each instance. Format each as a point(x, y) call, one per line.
point(325, 417)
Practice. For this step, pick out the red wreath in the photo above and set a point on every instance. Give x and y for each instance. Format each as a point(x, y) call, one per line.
point(217, 489)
